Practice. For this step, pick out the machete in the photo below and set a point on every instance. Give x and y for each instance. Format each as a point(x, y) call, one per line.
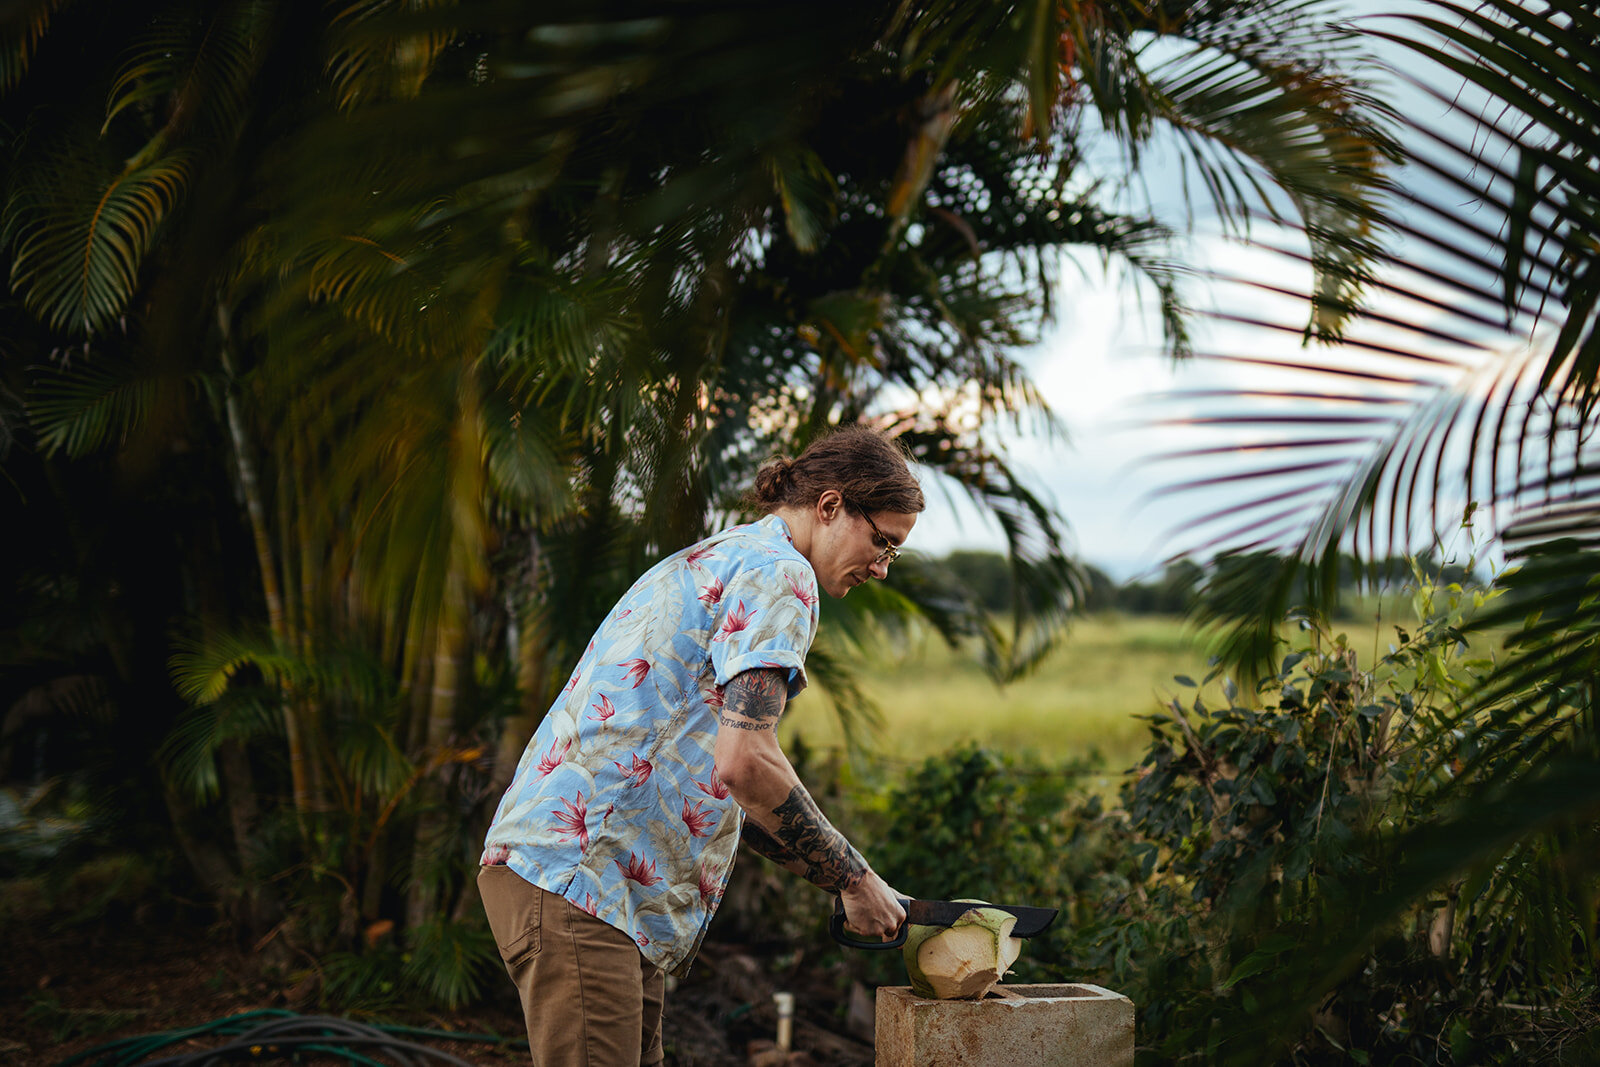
point(1031, 922)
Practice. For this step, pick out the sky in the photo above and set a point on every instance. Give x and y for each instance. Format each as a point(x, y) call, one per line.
point(1102, 371)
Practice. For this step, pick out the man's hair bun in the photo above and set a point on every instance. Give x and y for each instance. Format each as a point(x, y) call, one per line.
point(867, 467)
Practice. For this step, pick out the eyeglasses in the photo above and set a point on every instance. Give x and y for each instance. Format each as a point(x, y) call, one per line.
point(890, 553)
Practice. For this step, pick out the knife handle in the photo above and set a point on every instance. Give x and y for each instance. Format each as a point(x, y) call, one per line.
point(848, 940)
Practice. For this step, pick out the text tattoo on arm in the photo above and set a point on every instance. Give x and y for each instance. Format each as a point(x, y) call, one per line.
point(830, 861)
point(756, 695)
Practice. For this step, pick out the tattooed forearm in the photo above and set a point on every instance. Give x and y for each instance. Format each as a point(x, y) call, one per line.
point(765, 844)
point(757, 694)
point(830, 862)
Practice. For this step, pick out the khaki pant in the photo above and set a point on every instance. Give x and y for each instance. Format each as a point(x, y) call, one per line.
point(590, 998)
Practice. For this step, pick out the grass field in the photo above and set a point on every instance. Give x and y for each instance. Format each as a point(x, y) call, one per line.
point(1081, 703)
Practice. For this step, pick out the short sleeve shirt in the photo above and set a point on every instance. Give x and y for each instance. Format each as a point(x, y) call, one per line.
point(616, 804)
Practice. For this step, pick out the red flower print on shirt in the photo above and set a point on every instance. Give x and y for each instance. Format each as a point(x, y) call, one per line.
point(570, 823)
point(640, 771)
point(737, 620)
point(603, 710)
point(697, 554)
point(637, 669)
point(714, 787)
point(643, 940)
point(697, 820)
point(590, 906)
point(711, 595)
point(808, 598)
point(552, 759)
point(495, 856)
point(572, 683)
point(710, 884)
point(638, 871)
point(713, 696)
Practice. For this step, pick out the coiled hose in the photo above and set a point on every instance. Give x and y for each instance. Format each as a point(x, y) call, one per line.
point(275, 1034)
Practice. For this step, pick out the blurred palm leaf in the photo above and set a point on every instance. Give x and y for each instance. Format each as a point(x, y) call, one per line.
point(369, 64)
point(78, 233)
point(24, 27)
point(197, 69)
point(81, 409)
point(189, 752)
point(204, 668)
point(1265, 101)
point(1467, 388)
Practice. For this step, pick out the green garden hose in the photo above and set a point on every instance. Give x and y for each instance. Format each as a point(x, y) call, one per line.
point(275, 1034)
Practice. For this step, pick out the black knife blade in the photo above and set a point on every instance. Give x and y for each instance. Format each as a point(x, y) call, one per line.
point(1031, 922)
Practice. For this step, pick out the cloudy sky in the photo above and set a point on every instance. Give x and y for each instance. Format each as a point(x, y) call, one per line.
point(1102, 371)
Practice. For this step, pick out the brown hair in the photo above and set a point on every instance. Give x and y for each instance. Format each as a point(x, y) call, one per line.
point(868, 468)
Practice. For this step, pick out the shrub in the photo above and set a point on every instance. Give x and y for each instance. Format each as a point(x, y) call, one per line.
point(1262, 828)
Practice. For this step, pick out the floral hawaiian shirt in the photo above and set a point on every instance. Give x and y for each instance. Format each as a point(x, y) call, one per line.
point(616, 804)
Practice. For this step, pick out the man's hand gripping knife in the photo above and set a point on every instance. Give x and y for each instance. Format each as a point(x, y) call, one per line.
point(782, 822)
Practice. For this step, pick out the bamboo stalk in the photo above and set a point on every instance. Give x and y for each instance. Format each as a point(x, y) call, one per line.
point(250, 489)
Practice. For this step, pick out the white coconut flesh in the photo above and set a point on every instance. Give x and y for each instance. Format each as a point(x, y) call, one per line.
point(964, 960)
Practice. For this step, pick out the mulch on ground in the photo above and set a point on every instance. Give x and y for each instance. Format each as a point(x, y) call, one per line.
point(65, 990)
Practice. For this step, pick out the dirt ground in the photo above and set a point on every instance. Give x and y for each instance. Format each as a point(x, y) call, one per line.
point(63, 993)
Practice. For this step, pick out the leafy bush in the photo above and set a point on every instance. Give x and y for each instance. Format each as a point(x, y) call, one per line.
point(1262, 830)
point(976, 823)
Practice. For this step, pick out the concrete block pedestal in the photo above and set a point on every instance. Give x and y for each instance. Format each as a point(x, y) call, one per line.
point(1014, 1026)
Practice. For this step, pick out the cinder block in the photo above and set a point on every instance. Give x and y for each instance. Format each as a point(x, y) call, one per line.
point(1014, 1026)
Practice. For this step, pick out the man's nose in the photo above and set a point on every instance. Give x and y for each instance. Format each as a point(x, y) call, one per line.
point(879, 569)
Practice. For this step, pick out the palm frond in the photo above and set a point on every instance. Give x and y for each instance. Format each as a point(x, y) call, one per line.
point(1453, 390)
point(830, 667)
point(23, 30)
point(1464, 391)
point(367, 750)
point(1256, 131)
point(78, 234)
point(201, 67)
point(83, 696)
point(204, 668)
point(808, 194)
point(92, 402)
point(188, 754)
point(1046, 584)
point(1469, 838)
point(376, 55)
point(452, 962)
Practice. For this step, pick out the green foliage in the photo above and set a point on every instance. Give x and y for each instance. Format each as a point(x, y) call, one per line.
point(80, 230)
point(463, 283)
point(448, 964)
point(1278, 912)
point(451, 962)
point(975, 823)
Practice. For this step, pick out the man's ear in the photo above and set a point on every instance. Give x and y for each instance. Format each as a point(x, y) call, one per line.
point(830, 505)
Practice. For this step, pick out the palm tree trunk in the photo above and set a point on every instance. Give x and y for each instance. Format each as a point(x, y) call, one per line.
point(250, 489)
point(464, 574)
point(431, 822)
point(531, 650)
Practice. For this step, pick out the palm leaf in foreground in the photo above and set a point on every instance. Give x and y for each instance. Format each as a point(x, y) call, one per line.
point(1468, 389)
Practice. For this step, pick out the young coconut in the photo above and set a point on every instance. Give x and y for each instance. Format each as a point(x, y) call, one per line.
point(964, 960)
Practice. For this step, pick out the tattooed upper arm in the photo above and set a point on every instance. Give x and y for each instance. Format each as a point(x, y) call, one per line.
point(755, 695)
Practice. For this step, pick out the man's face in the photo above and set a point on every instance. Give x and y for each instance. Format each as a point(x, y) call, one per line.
point(847, 550)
